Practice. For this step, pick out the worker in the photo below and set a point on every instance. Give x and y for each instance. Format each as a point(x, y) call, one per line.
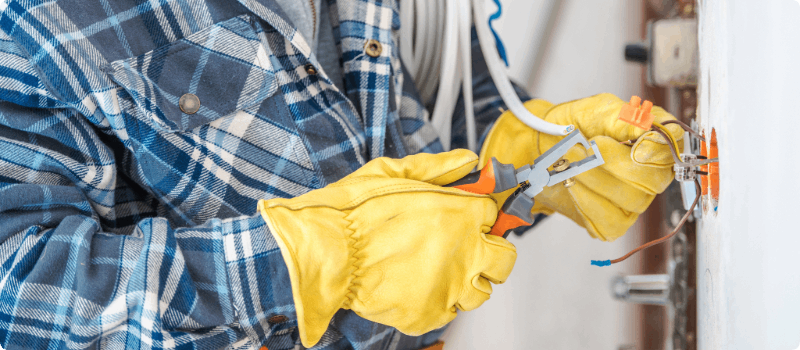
point(209, 174)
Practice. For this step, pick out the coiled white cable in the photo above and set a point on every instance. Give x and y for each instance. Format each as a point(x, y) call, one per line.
point(448, 82)
point(435, 45)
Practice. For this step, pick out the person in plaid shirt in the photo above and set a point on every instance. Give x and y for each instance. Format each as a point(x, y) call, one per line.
point(137, 138)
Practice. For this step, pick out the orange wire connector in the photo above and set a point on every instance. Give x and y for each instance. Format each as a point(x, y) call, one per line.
point(637, 115)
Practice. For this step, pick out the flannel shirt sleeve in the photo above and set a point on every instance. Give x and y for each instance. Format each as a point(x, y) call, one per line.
point(87, 262)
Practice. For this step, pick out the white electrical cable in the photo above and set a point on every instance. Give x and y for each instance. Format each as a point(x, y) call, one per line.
point(407, 31)
point(435, 45)
point(447, 93)
point(465, 47)
point(498, 73)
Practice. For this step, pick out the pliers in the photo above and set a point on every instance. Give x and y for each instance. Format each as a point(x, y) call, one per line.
point(497, 177)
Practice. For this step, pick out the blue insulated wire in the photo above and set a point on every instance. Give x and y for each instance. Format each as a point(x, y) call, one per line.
point(601, 262)
point(500, 48)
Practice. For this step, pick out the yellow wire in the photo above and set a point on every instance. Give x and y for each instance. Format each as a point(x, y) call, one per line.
point(669, 135)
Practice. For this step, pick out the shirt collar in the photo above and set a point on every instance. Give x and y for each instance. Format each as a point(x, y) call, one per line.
point(272, 13)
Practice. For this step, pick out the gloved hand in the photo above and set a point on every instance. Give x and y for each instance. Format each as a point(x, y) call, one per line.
point(391, 244)
point(605, 200)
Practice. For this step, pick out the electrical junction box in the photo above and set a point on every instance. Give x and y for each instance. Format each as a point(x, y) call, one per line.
point(670, 52)
point(673, 52)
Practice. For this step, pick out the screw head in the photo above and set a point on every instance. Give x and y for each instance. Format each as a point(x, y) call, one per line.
point(561, 165)
point(687, 10)
point(569, 182)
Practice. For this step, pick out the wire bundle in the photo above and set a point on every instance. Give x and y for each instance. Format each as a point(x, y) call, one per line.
point(437, 54)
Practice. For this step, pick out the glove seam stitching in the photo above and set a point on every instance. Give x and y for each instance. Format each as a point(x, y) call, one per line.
point(355, 265)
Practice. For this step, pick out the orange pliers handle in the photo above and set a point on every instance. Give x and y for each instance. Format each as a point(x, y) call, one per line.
point(497, 177)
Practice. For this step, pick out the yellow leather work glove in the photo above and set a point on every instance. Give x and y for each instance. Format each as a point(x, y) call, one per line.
point(605, 200)
point(391, 244)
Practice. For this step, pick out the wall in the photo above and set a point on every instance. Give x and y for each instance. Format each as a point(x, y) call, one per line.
point(554, 299)
point(748, 261)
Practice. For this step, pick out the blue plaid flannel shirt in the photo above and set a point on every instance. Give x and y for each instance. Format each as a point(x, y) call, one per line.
point(126, 223)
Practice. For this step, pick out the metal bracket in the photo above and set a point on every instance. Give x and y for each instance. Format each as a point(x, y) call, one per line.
point(670, 289)
point(687, 174)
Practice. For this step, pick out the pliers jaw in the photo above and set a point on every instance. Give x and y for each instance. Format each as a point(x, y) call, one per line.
point(497, 177)
point(516, 210)
point(538, 176)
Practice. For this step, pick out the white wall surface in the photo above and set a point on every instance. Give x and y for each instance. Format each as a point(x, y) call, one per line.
point(554, 299)
point(748, 261)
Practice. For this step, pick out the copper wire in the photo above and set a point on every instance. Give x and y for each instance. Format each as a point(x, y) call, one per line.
point(685, 127)
point(676, 156)
point(667, 237)
point(659, 128)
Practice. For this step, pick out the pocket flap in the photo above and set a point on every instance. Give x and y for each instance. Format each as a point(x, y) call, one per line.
point(224, 65)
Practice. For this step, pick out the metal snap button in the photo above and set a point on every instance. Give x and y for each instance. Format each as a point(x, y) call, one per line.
point(189, 103)
point(277, 319)
point(373, 48)
point(310, 69)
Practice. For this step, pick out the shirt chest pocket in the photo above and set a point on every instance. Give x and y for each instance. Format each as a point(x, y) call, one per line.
point(200, 78)
point(235, 144)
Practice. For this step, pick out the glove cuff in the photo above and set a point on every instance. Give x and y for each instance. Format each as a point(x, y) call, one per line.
point(321, 283)
point(509, 134)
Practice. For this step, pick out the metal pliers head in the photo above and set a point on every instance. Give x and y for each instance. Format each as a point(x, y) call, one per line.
point(496, 177)
point(535, 177)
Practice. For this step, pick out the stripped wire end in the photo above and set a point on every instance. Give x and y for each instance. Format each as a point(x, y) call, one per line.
point(601, 262)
